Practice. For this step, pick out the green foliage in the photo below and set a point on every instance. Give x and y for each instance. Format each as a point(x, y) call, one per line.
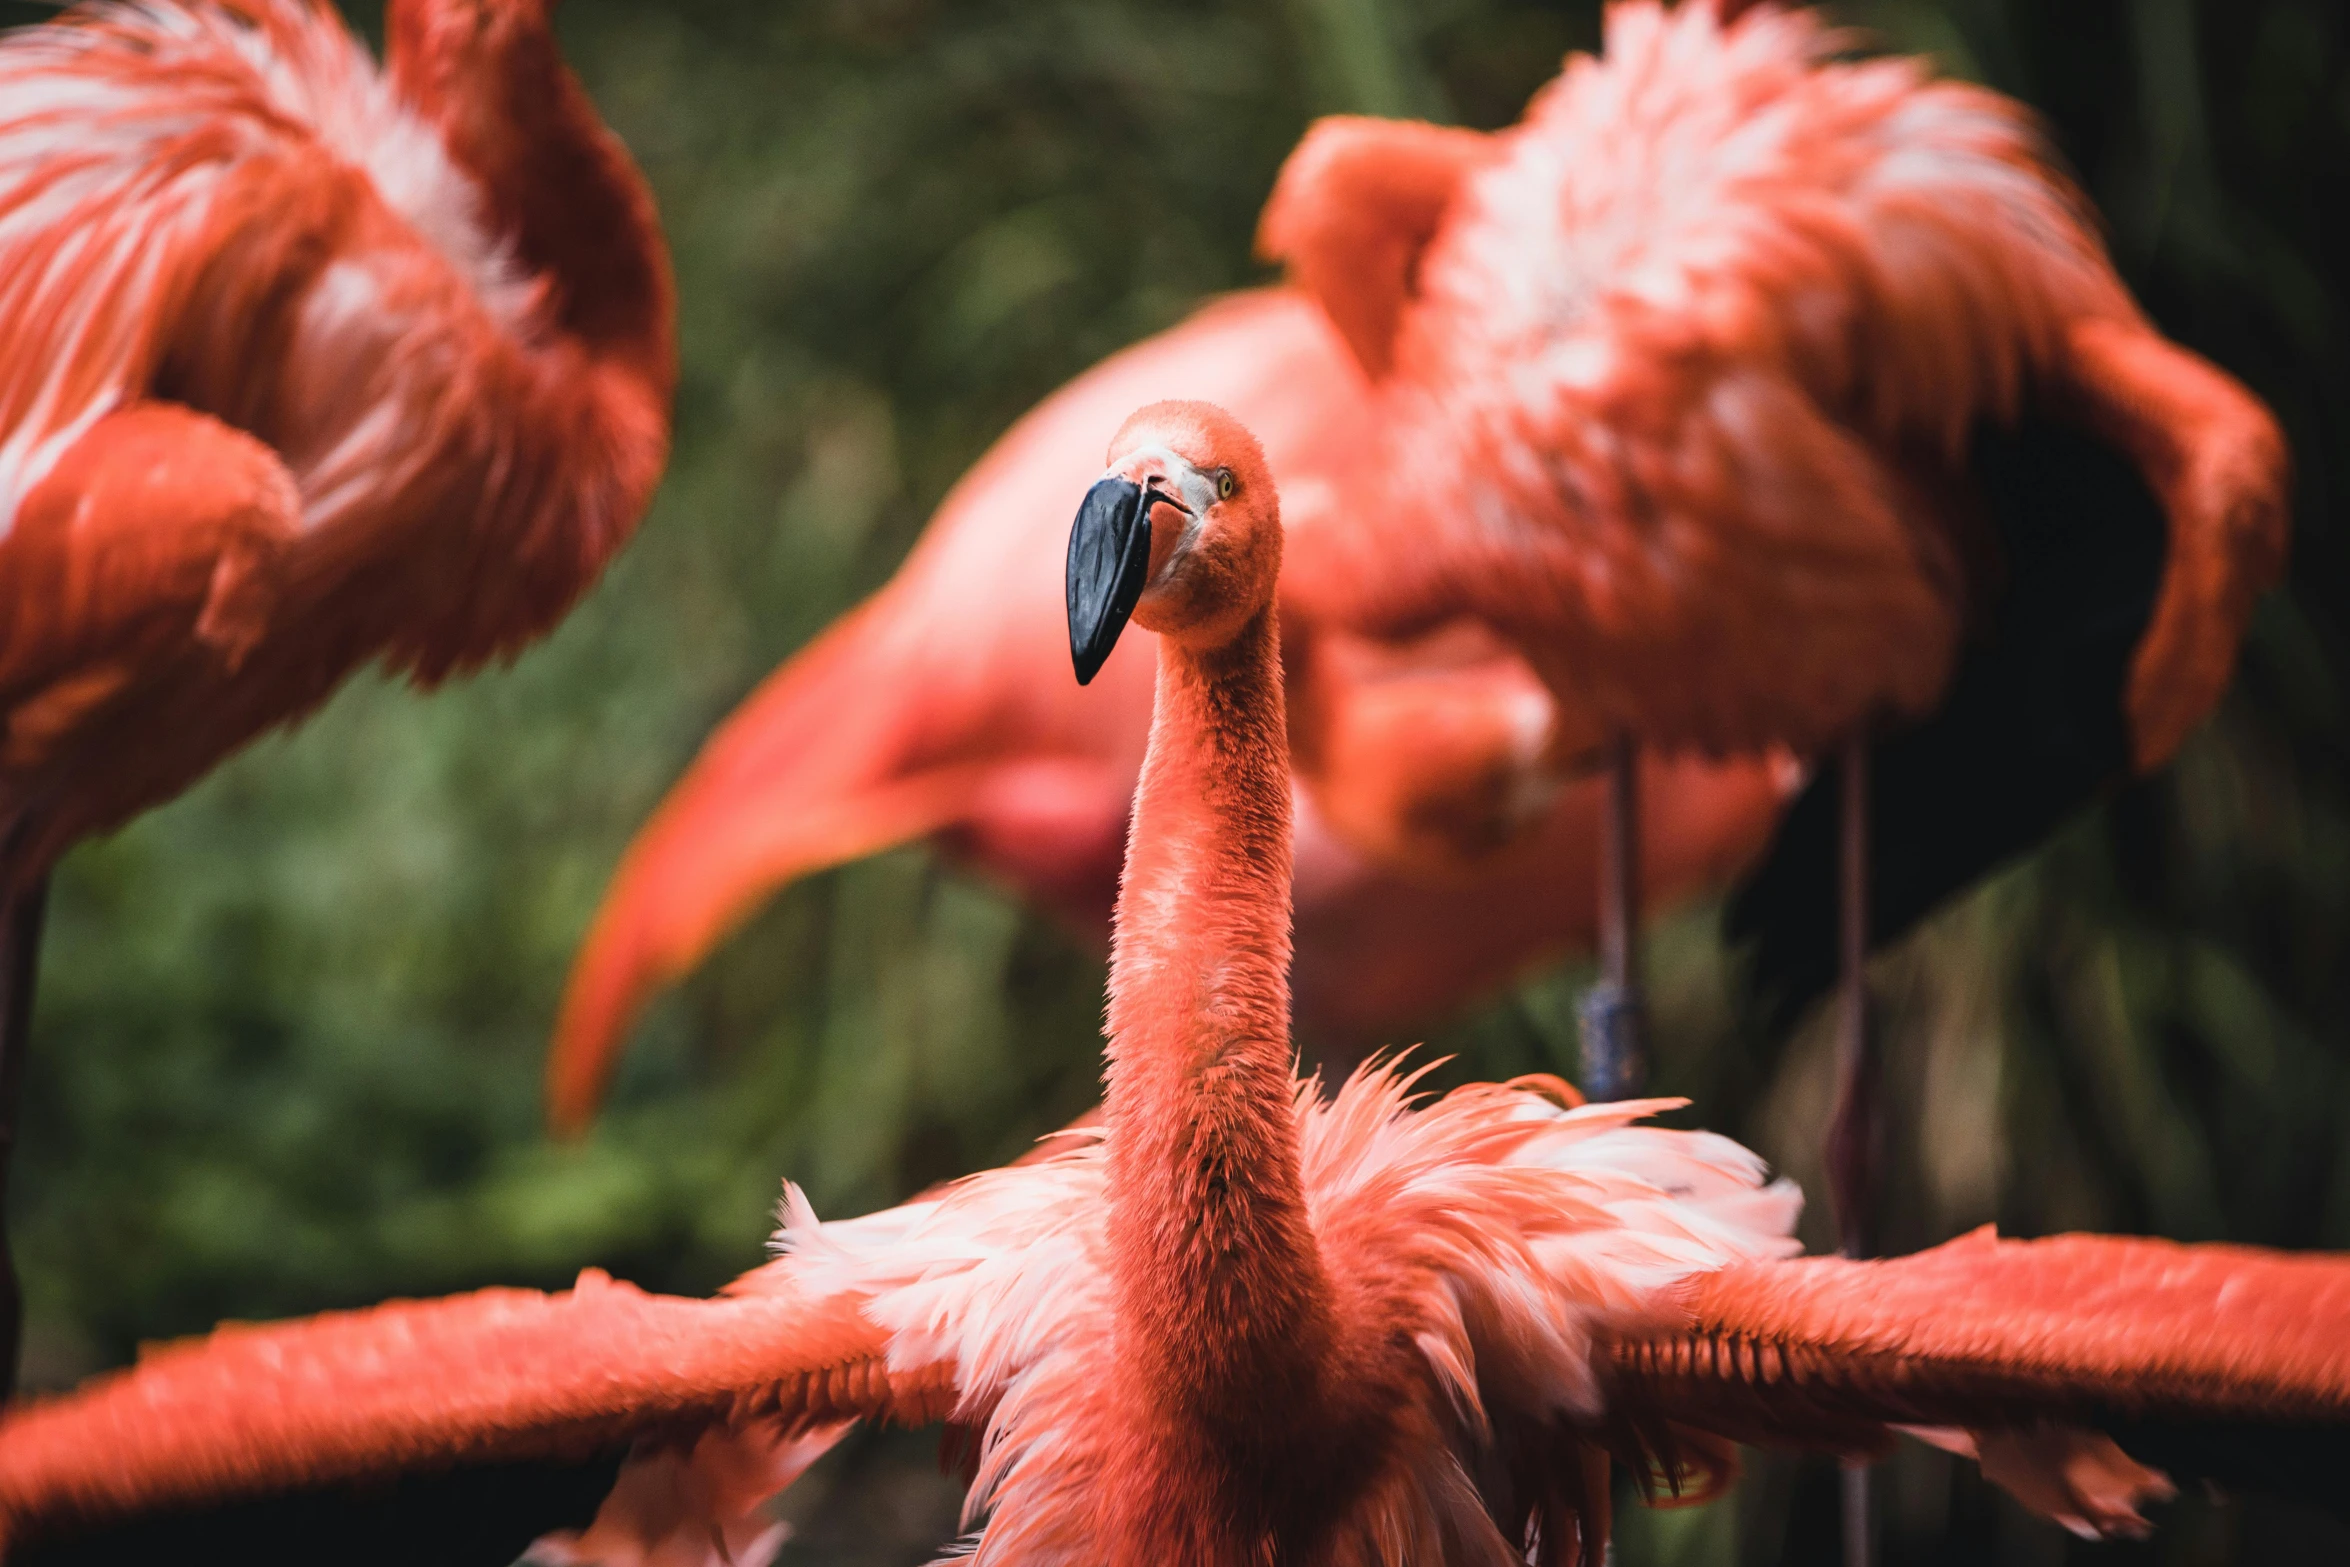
point(289, 1041)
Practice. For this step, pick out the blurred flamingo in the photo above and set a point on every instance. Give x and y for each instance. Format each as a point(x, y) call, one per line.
point(1761, 396)
point(1240, 1322)
point(307, 367)
point(1437, 858)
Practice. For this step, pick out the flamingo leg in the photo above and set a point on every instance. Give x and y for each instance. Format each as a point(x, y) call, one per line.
point(1615, 1053)
point(140, 568)
point(1852, 1134)
point(20, 956)
point(1615, 1056)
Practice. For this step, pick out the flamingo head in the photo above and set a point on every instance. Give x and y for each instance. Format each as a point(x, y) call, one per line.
point(1182, 534)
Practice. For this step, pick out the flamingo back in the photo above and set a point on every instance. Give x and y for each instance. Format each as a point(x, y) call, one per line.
point(1689, 350)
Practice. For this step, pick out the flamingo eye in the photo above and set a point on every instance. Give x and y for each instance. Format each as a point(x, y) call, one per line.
point(1225, 484)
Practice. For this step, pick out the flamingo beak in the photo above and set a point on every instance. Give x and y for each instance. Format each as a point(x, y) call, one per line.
point(1109, 563)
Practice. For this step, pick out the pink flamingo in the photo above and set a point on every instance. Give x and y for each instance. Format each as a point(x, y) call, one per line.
point(1242, 1322)
point(308, 367)
point(1437, 859)
point(1762, 397)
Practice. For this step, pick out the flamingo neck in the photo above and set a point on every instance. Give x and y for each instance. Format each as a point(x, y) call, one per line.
point(1222, 1299)
point(558, 183)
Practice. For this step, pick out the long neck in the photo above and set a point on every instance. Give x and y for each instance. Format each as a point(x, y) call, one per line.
point(559, 185)
point(1219, 1283)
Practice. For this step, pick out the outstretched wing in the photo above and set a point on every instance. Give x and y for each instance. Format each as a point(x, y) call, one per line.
point(2088, 1375)
point(412, 1386)
point(1988, 1334)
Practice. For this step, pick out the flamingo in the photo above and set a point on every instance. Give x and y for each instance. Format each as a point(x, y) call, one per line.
point(308, 367)
point(1432, 845)
point(1765, 397)
point(1760, 397)
point(1238, 1321)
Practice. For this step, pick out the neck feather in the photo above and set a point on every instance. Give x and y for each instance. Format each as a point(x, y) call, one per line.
point(1220, 1286)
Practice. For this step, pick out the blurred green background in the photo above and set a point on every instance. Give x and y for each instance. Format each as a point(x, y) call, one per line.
point(289, 1039)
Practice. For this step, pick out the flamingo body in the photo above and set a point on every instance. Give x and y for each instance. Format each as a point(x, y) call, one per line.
point(308, 366)
point(1476, 1253)
point(305, 370)
point(1761, 396)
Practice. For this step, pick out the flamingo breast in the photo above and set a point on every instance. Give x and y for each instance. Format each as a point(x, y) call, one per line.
point(1492, 1233)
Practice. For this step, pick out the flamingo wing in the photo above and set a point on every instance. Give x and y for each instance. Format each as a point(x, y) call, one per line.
point(1988, 1334)
point(415, 1386)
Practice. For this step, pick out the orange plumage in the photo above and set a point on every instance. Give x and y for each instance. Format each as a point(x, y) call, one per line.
point(308, 367)
point(1688, 368)
point(1243, 1321)
point(1765, 397)
point(2132, 1326)
point(1817, 1353)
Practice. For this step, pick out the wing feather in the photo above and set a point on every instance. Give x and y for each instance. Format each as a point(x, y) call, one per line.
point(132, 135)
point(1991, 1334)
point(422, 1385)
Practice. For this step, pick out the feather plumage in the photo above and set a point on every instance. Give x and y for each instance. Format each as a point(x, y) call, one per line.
point(1676, 349)
point(1705, 393)
point(1507, 1234)
point(1569, 1280)
point(502, 1374)
point(226, 213)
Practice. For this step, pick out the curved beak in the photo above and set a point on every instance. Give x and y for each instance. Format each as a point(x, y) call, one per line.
point(1109, 562)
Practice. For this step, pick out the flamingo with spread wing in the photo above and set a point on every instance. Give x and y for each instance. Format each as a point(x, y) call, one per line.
point(1241, 1322)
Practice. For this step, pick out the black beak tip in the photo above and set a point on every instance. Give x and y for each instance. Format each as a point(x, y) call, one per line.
point(1109, 557)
